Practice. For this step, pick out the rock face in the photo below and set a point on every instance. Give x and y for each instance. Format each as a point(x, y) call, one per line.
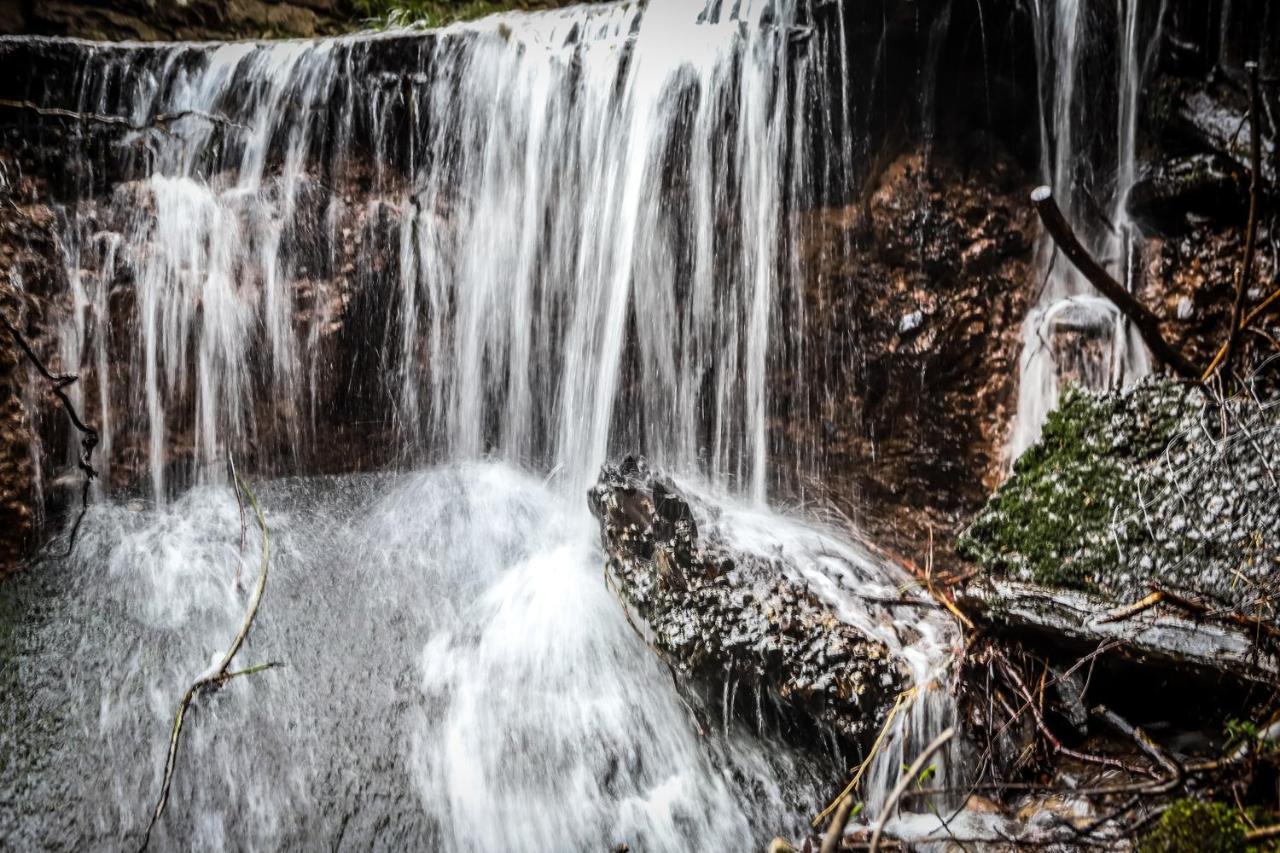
point(29, 272)
point(726, 616)
point(913, 314)
point(17, 471)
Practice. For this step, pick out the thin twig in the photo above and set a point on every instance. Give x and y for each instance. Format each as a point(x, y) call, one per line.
point(1129, 611)
point(831, 841)
point(1251, 229)
point(161, 120)
point(89, 436)
point(902, 699)
point(221, 674)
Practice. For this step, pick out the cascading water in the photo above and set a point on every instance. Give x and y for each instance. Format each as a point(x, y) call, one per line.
point(575, 236)
point(1071, 333)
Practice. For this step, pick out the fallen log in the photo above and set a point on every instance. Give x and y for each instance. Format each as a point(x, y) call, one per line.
point(1158, 635)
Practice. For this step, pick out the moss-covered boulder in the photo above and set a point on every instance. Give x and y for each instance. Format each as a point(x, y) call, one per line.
point(1152, 487)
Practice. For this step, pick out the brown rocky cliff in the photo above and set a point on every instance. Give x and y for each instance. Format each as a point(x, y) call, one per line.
point(913, 312)
point(30, 270)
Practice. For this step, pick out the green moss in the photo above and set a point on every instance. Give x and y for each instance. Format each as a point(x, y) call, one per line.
point(1190, 826)
point(439, 13)
point(1051, 523)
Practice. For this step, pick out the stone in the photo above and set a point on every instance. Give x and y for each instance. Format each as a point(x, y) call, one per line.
point(720, 616)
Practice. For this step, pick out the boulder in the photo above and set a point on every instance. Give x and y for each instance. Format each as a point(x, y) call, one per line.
point(1146, 516)
point(718, 615)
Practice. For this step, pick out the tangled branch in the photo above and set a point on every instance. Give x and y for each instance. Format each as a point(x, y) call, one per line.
point(218, 676)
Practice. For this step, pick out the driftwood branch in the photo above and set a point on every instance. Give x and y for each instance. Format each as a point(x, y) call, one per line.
point(222, 673)
point(1143, 320)
point(58, 382)
point(160, 120)
point(1245, 273)
point(1174, 772)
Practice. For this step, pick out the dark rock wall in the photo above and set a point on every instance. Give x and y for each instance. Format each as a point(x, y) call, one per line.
point(904, 393)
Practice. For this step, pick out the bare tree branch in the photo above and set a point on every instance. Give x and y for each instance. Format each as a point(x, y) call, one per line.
point(1245, 273)
point(89, 436)
point(160, 120)
point(1146, 323)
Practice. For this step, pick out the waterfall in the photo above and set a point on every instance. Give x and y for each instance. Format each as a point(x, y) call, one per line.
point(1072, 333)
point(556, 185)
point(540, 239)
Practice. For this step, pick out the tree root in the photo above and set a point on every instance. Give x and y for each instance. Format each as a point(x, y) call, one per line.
point(221, 674)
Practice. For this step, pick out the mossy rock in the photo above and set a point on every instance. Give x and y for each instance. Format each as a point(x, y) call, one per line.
point(1052, 522)
point(1191, 826)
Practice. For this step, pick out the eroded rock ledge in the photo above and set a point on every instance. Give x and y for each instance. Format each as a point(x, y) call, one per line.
point(720, 614)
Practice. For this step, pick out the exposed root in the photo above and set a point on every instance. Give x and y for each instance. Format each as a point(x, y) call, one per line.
point(160, 120)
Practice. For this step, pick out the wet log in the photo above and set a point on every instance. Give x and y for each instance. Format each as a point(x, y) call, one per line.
point(1158, 634)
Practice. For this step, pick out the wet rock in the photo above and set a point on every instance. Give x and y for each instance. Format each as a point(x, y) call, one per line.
point(907, 379)
point(29, 272)
point(17, 472)
point(1176, 191)
point(198, 19)
point(726, 616)
point(1151, 491)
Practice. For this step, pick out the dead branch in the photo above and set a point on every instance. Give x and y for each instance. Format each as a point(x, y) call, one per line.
point(1251, 229)
point(1055, 743)
point(89, 436)
point(159, 120)
point(1146, 323)
point(903, 698)
point(1265, 833)
point(219, 675)
point(1264, 307)
point(1200, 608)
point(1134, 609)
point(1175, 773)
point(904, 781)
